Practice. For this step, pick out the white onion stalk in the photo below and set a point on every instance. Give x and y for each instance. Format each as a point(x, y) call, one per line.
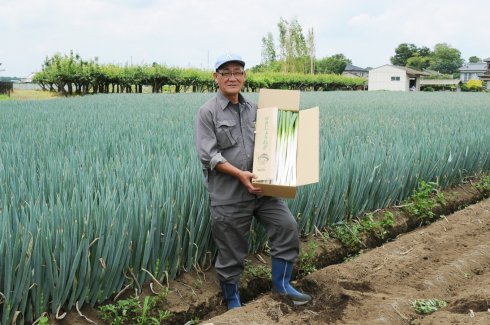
point(286, 148)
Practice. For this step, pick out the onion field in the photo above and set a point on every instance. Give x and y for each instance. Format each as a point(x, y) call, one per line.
point(99, 192)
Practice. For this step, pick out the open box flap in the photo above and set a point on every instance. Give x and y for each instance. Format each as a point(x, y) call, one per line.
point(284, 99)
point(308, 154)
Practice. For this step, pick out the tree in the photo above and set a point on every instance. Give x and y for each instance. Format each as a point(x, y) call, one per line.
point(474, 59)
point(268, 50)
point(295, 53)
point(333, 64)
point(403, 52)
point(311, 49)
point(446, 59)
point(418, 62)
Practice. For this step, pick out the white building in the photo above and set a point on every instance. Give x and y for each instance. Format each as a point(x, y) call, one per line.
point(393, 77)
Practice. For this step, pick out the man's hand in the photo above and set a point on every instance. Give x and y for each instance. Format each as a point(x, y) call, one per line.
point(246, 178)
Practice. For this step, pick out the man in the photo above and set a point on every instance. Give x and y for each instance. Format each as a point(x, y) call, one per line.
point(225, 144)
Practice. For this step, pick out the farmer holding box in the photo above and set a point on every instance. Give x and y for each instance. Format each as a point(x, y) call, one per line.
point(225, 145)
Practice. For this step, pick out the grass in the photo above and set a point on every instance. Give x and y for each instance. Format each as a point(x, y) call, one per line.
point(29, 95)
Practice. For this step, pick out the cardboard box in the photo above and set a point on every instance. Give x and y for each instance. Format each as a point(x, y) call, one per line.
point(308, 146)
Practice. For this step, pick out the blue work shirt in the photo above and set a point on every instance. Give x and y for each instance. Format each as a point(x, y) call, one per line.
point(225, 134)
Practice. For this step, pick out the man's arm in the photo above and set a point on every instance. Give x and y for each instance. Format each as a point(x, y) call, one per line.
point(244, 176)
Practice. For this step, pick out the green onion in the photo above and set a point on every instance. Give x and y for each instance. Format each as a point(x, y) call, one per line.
point(286, 148)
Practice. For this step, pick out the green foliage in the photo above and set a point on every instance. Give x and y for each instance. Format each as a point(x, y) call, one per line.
point(349, 234)
point(446, 59)
point(132, 310)
point(334, 64)
point(73, 75)
point(377, 228)
point(484, 185)
point(43, 320)
point(259, 271)
point(306, 260)
point(295, 52)
point(473, 85)
point(403, 52)
point(418, 62)
point(423, 200)
point(428, 306)
point(474, 59)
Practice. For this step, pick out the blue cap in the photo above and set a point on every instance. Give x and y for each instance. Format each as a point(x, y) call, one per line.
point(230, 57)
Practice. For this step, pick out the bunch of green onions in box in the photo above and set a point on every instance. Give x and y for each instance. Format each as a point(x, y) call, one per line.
point(286, 148)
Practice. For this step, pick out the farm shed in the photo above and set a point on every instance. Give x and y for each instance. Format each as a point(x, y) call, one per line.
point(393, 77)
point(441, 84)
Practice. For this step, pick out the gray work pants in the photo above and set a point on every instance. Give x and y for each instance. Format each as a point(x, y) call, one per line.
point(231, 230)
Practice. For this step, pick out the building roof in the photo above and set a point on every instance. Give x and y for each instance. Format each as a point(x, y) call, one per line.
point(351, 67)
point(474, 67)
point(409, 71)
point(439, 81)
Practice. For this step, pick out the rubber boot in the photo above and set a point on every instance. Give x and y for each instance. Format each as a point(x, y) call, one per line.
point(231, 294)
point(281, 276)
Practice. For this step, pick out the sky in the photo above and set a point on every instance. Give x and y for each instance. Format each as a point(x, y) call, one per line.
point(192, 33)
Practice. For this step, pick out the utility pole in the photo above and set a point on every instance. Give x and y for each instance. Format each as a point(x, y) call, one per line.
point(1, 69)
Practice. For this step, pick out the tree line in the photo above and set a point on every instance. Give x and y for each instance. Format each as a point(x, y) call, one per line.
point(71, 74)
point(444, 58)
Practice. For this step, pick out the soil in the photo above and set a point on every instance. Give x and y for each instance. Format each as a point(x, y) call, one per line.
point(447, 260)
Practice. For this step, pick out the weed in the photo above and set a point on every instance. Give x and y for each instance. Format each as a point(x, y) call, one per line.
point(377, 228)
point(428, 306)
point(306, 260)
point(348, 236)
point(134, 311)
point(484, 185)
point(260, 271)
point(43, 320)
point(424, 200)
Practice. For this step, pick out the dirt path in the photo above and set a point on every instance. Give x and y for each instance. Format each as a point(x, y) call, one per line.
point(447, 260)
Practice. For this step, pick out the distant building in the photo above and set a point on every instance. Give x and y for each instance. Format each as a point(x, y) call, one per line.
point(485, 76)
point(353, 71)
point(393, 77)
point(28, 79)
point(473, 70)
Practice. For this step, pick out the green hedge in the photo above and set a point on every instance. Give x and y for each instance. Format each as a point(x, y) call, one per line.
point(71, 75)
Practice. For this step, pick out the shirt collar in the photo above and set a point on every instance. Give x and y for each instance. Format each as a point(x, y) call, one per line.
point(223, 102)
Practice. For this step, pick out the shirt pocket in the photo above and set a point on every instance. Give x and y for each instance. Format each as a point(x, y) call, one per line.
point(224, 134)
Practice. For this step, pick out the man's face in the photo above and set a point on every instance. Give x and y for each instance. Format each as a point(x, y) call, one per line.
point(230, 78)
